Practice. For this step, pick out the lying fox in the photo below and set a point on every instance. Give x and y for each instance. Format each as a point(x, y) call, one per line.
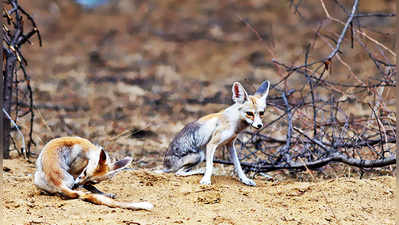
point(216, 130)
point(69, 162)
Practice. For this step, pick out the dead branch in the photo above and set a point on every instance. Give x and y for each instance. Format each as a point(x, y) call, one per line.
point(361, 163)
point(319, 129)
point(14, 74)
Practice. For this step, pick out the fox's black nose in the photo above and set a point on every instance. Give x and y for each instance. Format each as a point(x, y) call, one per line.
point(259, 126)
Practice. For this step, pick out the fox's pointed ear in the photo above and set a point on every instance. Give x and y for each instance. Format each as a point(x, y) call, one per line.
point(239, 93)
point(103, 157)
point(263, 89)
point(122, 163)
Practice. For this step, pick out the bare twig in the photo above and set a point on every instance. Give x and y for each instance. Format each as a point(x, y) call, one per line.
point(330, 121)
point(23, 149)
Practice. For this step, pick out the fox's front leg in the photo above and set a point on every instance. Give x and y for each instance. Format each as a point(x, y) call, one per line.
point(81, 179)
point(93, 189)
point(210, 152)
point(237, 165)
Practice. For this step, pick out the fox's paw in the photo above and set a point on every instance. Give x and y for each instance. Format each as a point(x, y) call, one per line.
point(248, 182)
point(110, 195)
point(205, 181)
point(159, 171)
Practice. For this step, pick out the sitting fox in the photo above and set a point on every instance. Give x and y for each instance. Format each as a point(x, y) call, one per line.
point(216, 130)
point(69, 162)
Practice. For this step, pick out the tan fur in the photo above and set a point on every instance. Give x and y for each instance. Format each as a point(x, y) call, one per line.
point(69, 161)
point(253, 99)
point(57, 143)
point(210, 116)
point(216, 130)
point(51, 155)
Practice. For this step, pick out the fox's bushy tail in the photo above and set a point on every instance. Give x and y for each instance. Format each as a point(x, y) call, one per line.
point(104, 200)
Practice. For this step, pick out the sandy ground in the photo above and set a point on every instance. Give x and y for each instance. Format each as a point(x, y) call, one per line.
point(181, 200)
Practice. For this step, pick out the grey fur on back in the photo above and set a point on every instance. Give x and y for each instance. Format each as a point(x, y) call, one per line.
point(187, 141)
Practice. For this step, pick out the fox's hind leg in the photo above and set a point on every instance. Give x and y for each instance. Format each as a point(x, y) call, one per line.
point(188, 162)
point(189, 171)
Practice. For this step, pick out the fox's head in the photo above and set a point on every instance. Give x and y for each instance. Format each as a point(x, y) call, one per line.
point(251, 107)
point(103, 170)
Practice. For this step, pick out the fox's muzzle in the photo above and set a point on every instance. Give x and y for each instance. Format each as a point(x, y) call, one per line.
point(257, 126)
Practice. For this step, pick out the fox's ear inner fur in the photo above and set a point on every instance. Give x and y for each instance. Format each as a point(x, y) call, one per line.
point(239, 93)
point(103, 157)
point(263, 89)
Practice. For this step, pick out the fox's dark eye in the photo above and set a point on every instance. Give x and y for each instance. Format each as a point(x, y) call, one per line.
point(250, 114)
point(261, 113)
point(85, 173)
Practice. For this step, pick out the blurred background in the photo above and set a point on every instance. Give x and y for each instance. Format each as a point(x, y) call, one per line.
point(111, 66)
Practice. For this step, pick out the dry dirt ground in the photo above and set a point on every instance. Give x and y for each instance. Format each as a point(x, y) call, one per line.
point(181, 200)
point(153, 66)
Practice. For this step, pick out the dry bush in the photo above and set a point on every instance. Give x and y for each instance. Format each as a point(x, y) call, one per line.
point(336, 106)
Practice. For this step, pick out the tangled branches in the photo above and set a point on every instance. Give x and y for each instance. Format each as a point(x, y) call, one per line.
point(16, 81)
point(327, 120)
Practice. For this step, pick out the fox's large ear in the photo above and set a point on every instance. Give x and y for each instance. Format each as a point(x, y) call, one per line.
point(239, 93)
point(263, 89)
point(122, 163)
point(103, 157)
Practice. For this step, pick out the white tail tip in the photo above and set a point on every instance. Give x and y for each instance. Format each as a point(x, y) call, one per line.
point(142, 205)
